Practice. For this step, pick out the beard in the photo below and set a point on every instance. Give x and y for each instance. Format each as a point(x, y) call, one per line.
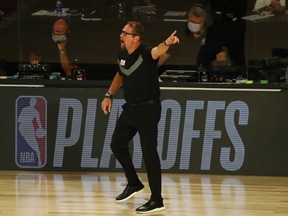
point(122, 45)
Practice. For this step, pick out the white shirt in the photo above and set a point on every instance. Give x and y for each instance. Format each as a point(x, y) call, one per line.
point(262, 3)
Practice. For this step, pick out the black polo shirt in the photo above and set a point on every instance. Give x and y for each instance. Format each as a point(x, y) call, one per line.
point(140, 75)
point(212, 44)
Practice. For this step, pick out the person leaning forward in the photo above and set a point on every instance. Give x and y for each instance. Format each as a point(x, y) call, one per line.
point(138, 77)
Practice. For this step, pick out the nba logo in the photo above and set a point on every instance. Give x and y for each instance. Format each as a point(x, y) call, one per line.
point(31, 132)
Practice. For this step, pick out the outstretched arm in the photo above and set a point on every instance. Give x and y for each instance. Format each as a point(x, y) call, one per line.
point(163, 47)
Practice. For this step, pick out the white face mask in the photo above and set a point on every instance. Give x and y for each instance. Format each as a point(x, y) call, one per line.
point(58, 37)
point(194, 27)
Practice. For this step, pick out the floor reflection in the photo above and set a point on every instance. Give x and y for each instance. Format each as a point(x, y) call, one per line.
point(46, 193)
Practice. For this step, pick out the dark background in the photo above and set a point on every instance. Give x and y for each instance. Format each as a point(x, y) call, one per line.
point(97, 42)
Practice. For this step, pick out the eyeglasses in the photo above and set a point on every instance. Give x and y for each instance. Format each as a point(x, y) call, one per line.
point(127, 33)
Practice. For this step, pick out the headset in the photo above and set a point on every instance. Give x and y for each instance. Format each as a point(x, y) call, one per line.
point(199, 5)
point(200, 9)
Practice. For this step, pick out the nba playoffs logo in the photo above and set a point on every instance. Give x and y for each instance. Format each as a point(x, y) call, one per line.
point(31, 132)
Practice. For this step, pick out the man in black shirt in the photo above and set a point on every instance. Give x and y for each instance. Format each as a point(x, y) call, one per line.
point(213, 47)
point(141, 113)
point(227, 19)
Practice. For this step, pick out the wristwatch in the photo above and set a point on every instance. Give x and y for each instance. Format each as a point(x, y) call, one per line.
point(108, 95)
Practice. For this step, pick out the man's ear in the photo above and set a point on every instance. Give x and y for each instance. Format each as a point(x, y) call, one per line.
point(136, 38)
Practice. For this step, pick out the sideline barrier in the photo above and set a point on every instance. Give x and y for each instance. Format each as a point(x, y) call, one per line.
point(213, 130)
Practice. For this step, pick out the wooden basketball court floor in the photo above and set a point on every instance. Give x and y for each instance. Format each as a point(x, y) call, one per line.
point(93, 193)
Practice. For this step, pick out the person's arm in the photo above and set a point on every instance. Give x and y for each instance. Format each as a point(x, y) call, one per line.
point(114, 87)
point(162, 59)
point(163, 47)
point(64, 59)
point(37, 117)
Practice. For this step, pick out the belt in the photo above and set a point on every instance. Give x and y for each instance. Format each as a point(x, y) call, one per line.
point(136, 104)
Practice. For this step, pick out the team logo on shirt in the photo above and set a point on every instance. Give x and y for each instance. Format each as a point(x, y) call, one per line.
point(31, 132)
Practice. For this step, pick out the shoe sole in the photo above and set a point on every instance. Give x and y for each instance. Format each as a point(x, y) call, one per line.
point(131, 195)
point(151, 211)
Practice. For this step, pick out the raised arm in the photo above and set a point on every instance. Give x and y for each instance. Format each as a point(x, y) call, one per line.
point(66, 65)
point(163, 47)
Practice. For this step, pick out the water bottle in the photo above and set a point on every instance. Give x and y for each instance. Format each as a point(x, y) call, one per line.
point(59, 8)
point(204, 76)
point(202, 72)
point(121, 9)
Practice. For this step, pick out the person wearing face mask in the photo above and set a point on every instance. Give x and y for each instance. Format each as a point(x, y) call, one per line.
point(57, 50)
point(227, 19)
point(212, 47)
